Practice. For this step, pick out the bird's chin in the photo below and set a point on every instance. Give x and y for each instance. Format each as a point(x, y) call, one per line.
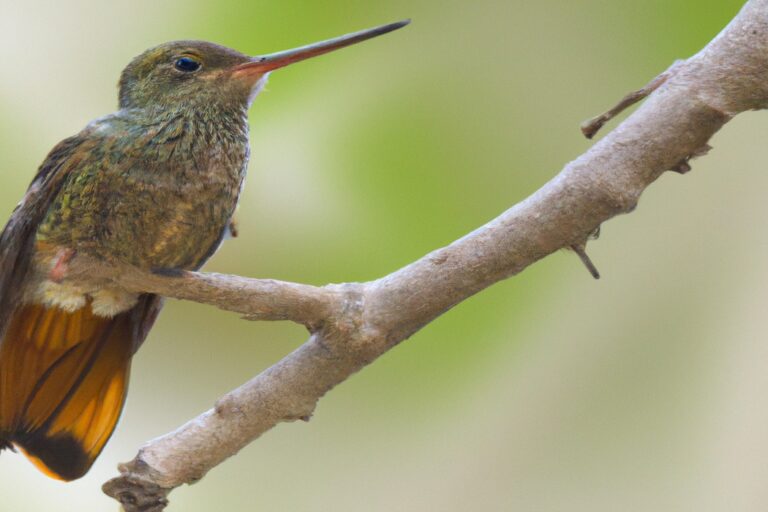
point(257, 88)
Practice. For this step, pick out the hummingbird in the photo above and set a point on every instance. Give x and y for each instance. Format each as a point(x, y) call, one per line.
point(155, 185)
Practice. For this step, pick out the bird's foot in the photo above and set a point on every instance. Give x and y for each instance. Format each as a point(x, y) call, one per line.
point(168, 271)
point(232, 230)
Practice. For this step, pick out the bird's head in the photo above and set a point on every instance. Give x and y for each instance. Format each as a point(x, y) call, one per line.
point(200, 73)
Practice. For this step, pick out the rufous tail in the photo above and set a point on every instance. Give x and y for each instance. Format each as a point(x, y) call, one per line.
point(63, 379)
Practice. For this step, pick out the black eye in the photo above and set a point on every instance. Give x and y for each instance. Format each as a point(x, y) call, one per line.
point(187, 64)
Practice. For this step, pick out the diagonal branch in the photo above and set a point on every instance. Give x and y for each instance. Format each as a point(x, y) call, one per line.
point(352, 324)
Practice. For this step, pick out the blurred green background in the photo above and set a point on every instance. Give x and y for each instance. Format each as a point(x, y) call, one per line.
point(548, 392)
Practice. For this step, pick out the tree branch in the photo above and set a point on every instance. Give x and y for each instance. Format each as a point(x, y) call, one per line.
point(353, 324)
point(256, 299)
point(590, 127)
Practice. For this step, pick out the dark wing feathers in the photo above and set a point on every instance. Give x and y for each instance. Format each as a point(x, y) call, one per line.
point(17, 240)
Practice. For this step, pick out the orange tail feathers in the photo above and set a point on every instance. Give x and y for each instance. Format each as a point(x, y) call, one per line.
point(63, 379)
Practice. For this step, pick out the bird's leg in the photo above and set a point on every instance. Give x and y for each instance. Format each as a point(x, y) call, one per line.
point(232, 227)
point(168, 271)
point(61, 264)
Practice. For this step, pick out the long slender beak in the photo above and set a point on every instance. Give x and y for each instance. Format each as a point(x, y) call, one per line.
point(266, 63)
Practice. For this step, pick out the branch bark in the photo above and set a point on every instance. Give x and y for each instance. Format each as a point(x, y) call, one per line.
point(353, 324)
